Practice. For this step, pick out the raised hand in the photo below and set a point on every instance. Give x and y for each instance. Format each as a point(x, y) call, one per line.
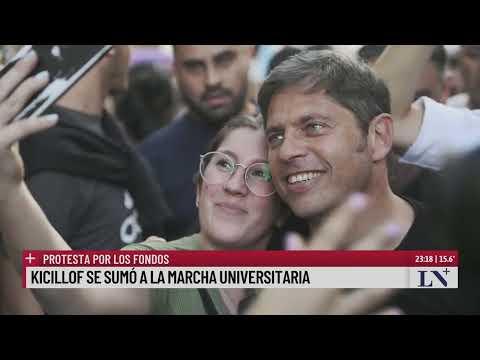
point(333, 235)
point(16, 89)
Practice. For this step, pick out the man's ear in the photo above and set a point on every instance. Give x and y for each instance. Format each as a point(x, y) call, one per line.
point(380, 137)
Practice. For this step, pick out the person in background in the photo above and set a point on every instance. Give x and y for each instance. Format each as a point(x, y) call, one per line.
point(157, 55)
point(407, 179)
point(454, 80)
point(149, 102)
point(427, 134)
point(468, 65)
point(432, 79)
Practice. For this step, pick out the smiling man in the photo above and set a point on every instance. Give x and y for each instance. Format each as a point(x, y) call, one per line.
point(329, 135)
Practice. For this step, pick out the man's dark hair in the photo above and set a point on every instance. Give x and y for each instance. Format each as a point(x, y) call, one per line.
point(368, 53)
point(289, 51)
point(282, 55)
point(350, 83)
point(149, 102)
point(318, 47)
point(439, 58)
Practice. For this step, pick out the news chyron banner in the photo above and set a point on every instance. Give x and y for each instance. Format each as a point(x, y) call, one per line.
point(241, 269)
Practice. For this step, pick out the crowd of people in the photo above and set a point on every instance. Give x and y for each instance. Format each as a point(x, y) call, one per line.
point(320, 150)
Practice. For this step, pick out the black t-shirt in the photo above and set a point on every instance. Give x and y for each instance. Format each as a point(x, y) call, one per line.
point(89, 214)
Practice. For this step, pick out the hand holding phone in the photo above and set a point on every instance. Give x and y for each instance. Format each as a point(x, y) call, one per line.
point(65, 66)
point(16, 87)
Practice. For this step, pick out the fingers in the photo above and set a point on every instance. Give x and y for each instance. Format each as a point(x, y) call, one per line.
point(382, 238)
point(155, 238)
point(19, 72)
point(294, 242)
point(15, 91)
point(390, 311)
point(21, 129)
point(361, 302)
point(15, 103)
point(332, 235)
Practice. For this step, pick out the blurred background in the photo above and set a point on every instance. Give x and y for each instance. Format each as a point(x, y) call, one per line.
point(154, 98)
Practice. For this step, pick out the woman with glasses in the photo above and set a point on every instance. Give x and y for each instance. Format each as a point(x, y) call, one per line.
point(237, 205)
point(238, 209)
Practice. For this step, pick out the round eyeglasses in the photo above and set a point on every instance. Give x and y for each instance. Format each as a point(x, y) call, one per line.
point(216, 168)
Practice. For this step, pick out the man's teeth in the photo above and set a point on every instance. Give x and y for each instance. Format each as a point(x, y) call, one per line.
point(303, 177)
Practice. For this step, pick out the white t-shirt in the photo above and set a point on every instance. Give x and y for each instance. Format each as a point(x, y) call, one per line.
point(459, 100)
point(446, 133)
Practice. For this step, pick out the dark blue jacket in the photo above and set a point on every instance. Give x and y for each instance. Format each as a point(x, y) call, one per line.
point(174, 153)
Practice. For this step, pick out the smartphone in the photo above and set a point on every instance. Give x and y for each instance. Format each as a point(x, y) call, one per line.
point(66, 64)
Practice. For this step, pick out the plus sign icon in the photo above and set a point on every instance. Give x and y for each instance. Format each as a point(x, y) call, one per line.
point(30, 258)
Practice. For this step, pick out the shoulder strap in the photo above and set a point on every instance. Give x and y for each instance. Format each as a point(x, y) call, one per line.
point(207, 302)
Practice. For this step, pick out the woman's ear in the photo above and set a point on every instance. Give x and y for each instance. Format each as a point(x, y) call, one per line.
point(380, 137)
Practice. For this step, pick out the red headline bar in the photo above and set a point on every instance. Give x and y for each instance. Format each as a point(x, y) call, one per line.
point(240, 258)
